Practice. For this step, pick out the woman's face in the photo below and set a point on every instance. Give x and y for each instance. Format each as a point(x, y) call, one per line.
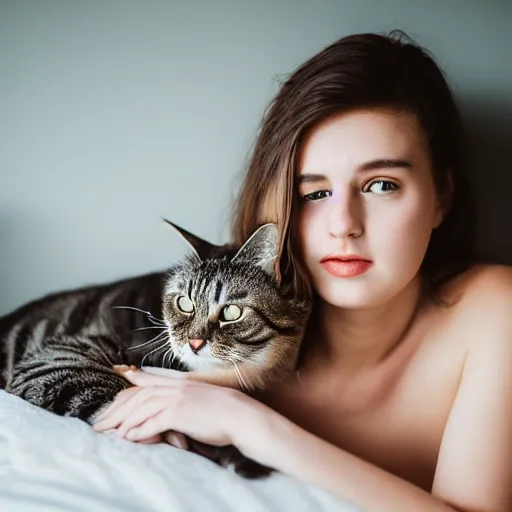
point(368, 205)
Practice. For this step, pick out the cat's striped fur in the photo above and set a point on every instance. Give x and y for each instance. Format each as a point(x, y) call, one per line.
point(58, 352)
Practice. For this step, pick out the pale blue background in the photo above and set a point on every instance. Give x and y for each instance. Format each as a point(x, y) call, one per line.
point(116, 112)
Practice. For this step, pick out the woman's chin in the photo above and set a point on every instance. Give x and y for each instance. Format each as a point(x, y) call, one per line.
point(355, 296)
point(364, 293)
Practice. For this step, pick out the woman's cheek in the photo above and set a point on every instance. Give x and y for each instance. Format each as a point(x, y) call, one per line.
point(308, 228)
point(411, 237)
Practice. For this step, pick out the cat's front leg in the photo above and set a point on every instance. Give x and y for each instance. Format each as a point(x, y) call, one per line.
point(68, 375)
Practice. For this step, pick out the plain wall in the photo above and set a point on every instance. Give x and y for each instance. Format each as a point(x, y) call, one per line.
point(114, 113)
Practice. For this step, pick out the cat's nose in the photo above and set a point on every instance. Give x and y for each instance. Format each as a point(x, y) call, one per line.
point(196, 345)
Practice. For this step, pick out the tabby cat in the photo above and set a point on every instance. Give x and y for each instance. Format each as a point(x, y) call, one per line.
point(222, 317)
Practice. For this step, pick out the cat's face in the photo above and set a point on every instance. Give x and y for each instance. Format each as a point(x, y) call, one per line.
point(226, 313)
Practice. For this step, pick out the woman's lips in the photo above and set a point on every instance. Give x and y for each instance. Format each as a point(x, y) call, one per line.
point(346, 268)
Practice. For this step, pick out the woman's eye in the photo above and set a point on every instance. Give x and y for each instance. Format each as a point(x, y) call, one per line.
point(315, 196)
point(185, 305)
point(231, 313)
point(381, 187)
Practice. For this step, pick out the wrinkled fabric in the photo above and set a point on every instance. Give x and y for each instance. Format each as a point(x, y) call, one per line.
point(51, 463)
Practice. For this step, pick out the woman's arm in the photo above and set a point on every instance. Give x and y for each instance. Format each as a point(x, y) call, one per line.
point(220, 416)
point(292, 450)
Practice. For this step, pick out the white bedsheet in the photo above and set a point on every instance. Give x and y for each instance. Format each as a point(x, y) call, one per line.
point(50, 463)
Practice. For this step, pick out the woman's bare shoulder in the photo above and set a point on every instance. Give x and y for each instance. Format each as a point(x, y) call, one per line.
point(482, 327)
point(481, 301)
point(479, 285)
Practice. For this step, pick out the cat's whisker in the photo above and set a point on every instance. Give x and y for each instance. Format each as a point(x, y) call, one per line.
point(105, 356)
point(156, 321)
point(153, 319)
point(147, 313)
point(150, 342)
point(153, 340)
point(166, 353)
point(171, 356)
point(145, 328)
point(153, 351)
point(240, 379)
point(239, 376)
point(247, 387)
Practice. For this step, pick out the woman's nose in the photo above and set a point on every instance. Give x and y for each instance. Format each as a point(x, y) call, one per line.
point(345, 216)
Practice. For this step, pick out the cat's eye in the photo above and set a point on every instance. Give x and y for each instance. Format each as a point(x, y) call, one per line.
point(231, 313)
point(185, 305)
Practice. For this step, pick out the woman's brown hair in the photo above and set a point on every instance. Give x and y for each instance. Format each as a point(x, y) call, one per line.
point(359, 71)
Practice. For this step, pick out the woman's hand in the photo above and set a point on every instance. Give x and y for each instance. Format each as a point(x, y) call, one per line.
point(167, 402)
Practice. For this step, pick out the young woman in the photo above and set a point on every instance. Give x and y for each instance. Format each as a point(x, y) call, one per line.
point(402, 400)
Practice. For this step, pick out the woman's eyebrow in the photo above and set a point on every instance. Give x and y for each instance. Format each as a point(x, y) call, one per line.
point(384, 163)
point(310, 178)
point(372, 165)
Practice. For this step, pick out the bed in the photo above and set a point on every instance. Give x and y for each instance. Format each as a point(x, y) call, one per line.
point(51, 463)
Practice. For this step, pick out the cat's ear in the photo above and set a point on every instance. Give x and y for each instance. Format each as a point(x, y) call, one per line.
point(261, 249)
point(200, 248)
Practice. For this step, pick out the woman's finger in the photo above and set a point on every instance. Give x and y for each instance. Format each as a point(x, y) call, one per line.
point(142, 413)
point(154, 425)
point(143, 379)
point(119, 400)
point(176, 439)
point(121, 368)
point(164, 372)
point(152, 440)
point(113, 418)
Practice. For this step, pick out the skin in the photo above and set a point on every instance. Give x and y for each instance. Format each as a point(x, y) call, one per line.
point(401, 404)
